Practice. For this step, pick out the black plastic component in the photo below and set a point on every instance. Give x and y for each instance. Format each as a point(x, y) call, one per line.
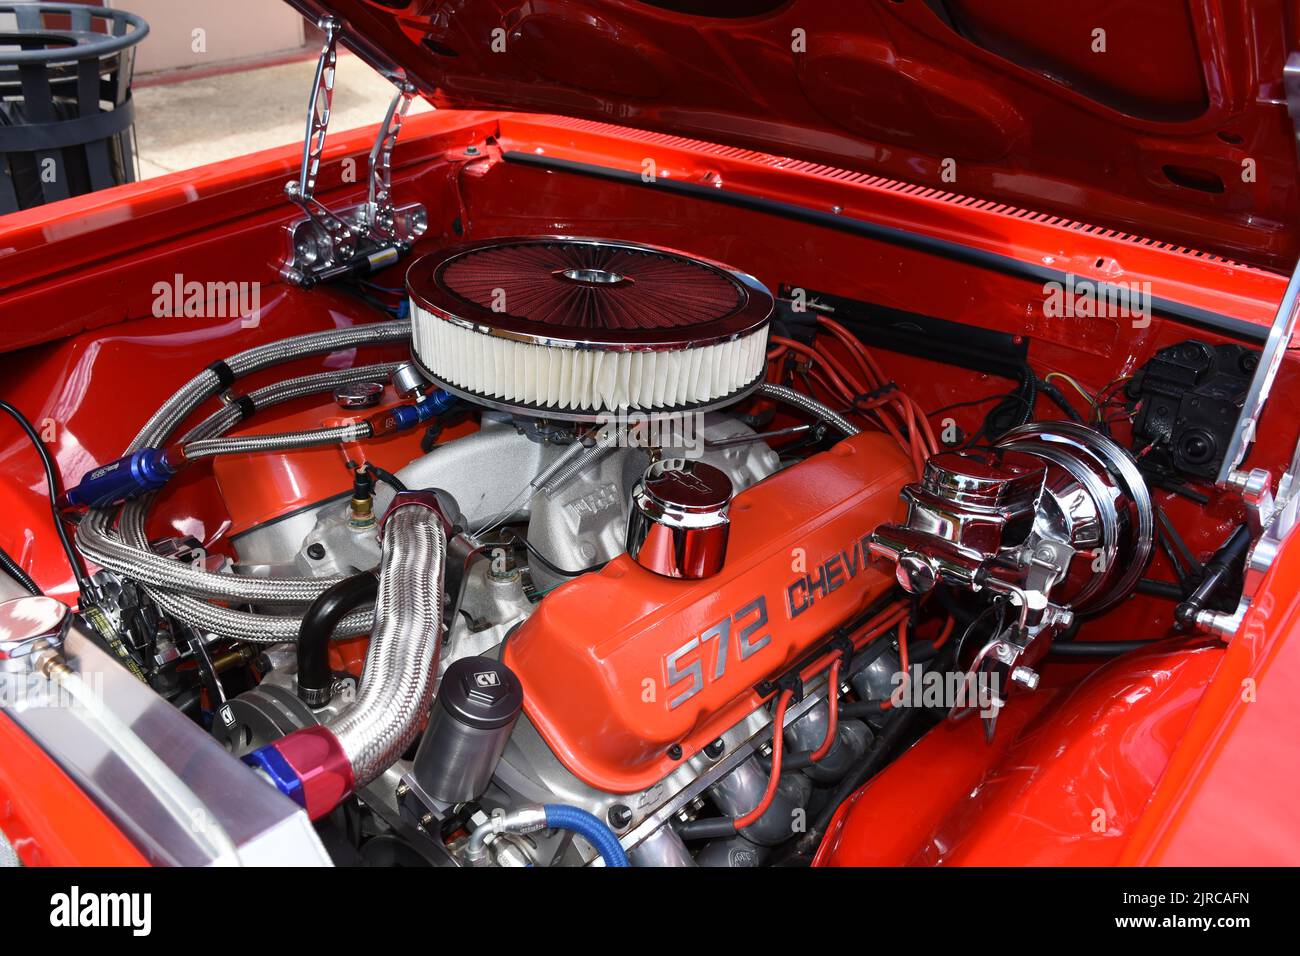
point(363, 483)
point(619, 816)
point(789, 761)
point(66, 112)
point(910, 333)
point(52, 491)
point(247, 407)
point(387, 477)
point(1057, 398)
point(15, 571)
point(315, 680)
point(207, 672)
point(1161, 589)
point(1191, 395)
point(225, 374)
point(1097, 648)
point(1223, 567)
point(709, 828)
point(481, 693)
point(788, 322)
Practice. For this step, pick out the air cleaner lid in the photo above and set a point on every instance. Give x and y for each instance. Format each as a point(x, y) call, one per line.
point(588, 293)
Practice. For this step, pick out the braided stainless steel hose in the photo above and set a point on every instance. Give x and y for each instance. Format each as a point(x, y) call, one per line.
point(247, 444)
point(173, 584)
point(397, 683)
point(810, 405)
point(207, 383)
point(228, 416)
point(131, 558)
point(246, 626)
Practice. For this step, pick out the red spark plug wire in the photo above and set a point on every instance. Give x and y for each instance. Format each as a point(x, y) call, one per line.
point(778, 732)
point(832, 711)
point(888, 702)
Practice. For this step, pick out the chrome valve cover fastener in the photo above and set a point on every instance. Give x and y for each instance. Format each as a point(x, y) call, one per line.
point(678, 524)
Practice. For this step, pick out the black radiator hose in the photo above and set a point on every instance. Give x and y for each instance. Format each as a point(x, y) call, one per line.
point(315, 680)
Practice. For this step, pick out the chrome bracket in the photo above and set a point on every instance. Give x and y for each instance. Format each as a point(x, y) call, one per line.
point(386, 221)
point(1271, 520)
point(1002, 663)
point(981, 690)
point(362, 238)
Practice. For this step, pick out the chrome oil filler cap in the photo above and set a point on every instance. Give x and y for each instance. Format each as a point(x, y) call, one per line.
point(678, 524)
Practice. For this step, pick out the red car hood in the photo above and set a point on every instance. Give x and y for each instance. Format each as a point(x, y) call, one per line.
point(1166, 119)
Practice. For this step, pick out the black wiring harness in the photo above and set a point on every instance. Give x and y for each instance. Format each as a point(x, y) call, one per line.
point(52, 488)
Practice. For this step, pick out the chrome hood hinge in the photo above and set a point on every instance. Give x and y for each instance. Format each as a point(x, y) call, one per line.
point(1271, 513)
point(359, 239)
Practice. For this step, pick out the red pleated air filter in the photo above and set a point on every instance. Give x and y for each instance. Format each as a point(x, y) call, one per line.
point(577, 327)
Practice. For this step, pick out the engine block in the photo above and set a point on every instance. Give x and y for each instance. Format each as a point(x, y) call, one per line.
point(627, 673)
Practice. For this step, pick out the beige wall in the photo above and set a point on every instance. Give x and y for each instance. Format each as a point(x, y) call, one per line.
point(232, 30)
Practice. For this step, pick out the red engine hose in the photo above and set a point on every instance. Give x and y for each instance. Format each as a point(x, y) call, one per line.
point(945, 633)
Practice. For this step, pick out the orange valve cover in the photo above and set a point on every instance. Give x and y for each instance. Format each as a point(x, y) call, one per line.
point(619, 666)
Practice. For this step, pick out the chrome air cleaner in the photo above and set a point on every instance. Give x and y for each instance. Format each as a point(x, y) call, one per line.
point(576, 328)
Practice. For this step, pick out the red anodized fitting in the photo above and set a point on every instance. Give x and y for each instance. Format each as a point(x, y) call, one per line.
point(308, 766)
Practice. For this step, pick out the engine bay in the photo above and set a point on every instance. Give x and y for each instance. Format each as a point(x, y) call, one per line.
point(542, 548)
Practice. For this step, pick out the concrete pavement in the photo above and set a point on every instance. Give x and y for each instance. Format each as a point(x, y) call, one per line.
point(188, 123)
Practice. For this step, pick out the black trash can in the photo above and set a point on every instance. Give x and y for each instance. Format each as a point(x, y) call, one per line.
point(66, 117)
